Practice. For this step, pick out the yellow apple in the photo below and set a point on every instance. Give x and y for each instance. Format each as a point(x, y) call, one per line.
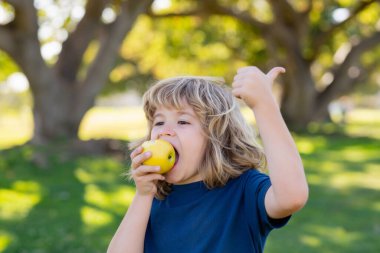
point(163, 154)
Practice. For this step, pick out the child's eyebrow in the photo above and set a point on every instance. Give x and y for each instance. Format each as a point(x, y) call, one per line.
point(180, 112)
point(186, 113)
point(158, 115)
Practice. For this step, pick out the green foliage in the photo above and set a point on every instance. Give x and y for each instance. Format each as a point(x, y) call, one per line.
point(218, 45)
point(161, 48)
point(324, 15)
point(201, 45)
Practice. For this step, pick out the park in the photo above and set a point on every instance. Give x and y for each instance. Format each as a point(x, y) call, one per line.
point(72, 76)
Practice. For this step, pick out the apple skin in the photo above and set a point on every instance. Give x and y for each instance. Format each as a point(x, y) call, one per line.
point(163, 154)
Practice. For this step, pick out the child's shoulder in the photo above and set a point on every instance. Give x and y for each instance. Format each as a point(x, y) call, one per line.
point(250, 176)
point(251, 182)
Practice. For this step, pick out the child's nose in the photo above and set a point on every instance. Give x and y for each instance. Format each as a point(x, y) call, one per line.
point(167, 132)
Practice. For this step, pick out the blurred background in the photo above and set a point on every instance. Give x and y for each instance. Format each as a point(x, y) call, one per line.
point(72, 73)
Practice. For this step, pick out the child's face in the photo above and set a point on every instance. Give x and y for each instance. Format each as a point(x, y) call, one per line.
point(183, 130)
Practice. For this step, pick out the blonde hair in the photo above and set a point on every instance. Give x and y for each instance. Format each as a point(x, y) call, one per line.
point(231, 148)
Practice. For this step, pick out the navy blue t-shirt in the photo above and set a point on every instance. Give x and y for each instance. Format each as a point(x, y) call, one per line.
point(229, 219)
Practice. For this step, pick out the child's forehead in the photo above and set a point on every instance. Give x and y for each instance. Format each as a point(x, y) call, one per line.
point(184, 108)
point(171, 104)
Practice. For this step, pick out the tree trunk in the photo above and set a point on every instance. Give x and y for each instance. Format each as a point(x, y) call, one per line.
point(55, 113)
point(298, 97)
point(60, 98)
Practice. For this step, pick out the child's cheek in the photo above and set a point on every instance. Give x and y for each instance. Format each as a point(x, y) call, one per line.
point(153, 134)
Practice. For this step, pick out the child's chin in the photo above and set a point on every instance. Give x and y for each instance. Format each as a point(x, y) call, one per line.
point(170, 179)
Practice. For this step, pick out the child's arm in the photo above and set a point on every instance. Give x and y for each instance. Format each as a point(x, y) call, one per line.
point(130, 235)
point(289, 190)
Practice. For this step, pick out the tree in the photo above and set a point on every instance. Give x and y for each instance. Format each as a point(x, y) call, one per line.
point(64, 91)
point(325, 56)
point(301, 35)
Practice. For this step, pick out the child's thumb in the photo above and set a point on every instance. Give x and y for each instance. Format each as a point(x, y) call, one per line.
point(273, 73)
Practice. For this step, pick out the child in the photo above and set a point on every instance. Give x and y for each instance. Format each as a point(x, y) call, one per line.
point(214, 199)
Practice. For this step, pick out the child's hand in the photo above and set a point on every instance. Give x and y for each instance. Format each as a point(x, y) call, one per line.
point(254, 86)
point(145, 176)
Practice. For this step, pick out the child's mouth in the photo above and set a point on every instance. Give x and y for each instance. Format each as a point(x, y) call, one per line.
point(176, 157)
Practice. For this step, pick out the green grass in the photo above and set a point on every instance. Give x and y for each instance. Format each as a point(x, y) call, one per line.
point(75, 205)
point(342, 214)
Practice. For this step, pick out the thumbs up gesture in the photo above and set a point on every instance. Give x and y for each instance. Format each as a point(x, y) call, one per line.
point(253, 86)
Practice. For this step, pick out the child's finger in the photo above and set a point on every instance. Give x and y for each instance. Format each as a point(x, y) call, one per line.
point(149, 178)
point(248, 69)
point(239, 81)
point(145, 169)
point(274, 72)
point(136, 152)
point(139, 159)
point(236, 84)
point(239, 77)
point(237, 92)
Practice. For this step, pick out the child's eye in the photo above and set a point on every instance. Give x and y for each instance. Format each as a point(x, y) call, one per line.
point(182, 122)
point(159, 123)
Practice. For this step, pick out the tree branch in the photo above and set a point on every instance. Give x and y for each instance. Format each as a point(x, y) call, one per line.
point(308, 9)
point(213, 7)
point(322, 36)
point(25, 16)
point(113, 36)
point(284, 11)
point(75, 46)
point(7, 42)
point(194, 12)
point(15, 3)
point(343, 75)
point(288, 20)
point(22, 32)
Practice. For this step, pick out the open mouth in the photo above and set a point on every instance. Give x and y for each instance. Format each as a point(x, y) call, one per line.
point(176, 157)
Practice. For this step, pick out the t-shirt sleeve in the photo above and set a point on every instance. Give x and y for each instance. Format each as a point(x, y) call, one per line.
point(256, 187)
